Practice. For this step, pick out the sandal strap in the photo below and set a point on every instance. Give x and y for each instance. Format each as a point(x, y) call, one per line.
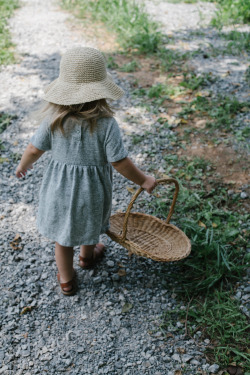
point(83, 259)
point(68, 284)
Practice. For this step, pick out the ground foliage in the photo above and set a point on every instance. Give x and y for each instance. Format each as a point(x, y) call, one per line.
point(6, 9)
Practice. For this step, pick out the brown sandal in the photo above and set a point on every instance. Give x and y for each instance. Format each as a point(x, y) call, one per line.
point(98, 253)
point(71, 283)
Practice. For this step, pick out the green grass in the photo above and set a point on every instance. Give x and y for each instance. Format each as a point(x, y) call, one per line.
point(238, 41)
point(157, 94)
point(6, 53)
point(128, 19)
point(219, 318)
point(194, 81)
point(235, 43)
point(5, 121)
point(171, 59)
point(232, 12)
point(221, 111)
point(211, 219)
point(131, 66)
point(206, 218)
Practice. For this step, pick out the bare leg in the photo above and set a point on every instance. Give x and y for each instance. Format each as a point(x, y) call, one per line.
point(64, 261)
point(90, 254)
point(87, 251)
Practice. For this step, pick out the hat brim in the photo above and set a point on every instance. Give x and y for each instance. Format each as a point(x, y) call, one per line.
point(65, 93)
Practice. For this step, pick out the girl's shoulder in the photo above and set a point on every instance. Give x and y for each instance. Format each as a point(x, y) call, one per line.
point(107, 123)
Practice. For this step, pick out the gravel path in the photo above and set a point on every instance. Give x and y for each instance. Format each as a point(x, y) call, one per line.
point(188, 25)
point(113, 325)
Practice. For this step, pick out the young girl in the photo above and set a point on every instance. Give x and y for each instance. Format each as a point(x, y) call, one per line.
point(80, 130)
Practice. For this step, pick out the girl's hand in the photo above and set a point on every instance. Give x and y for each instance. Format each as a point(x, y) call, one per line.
point(21, 172)
point(149, 184)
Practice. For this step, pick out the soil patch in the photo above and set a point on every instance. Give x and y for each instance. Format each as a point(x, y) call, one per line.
point(229, 166)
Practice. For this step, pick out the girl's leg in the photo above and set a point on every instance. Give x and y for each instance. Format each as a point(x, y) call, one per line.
point(87, 251)
point(89, 254)
point(64, 261)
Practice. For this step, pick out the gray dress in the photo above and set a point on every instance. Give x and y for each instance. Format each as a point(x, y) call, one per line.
point(76, 193)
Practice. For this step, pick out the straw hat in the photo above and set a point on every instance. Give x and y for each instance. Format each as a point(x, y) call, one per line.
point(83, 78)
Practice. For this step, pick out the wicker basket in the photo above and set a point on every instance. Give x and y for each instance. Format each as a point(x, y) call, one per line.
point(148, 236)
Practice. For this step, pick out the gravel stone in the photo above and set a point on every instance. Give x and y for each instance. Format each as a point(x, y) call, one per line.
point(214, 368)
point(243, 195)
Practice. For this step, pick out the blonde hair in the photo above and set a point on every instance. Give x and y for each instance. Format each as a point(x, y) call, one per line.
point(90, 111)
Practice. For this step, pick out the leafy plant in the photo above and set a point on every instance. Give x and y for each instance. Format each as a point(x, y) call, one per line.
point(6, 9)
point(127, 18)
point(130, 67)
point(231, 11)
point(5, 121)
point(219, 318)
point(214, 231)
point(111, 64)
point(194, 81)
point(221, 110)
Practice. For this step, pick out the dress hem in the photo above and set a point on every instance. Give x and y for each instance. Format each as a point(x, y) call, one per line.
point(78, 243)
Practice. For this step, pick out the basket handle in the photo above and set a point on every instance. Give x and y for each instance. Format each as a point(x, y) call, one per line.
point(160, 181)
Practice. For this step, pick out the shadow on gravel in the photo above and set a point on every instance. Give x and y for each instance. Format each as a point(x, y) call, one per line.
point(38, 73)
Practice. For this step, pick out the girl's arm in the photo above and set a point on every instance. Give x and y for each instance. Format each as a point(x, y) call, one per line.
point(30, 155)
point(127, 168)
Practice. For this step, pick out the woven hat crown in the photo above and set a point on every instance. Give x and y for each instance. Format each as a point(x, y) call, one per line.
point(82, 65)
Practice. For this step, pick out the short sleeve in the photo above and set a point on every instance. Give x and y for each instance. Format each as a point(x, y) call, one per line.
point(42, 137)
point(115, 150)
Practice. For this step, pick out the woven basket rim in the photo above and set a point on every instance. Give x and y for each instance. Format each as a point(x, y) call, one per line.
point(159, 221)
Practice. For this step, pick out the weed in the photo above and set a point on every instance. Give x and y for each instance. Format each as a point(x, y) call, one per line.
point(111, 64)
point(127, 18)
point(6, 9)
point(16, 157)
point(247, 74)
point(130, 67)
point(2, 148)
point(5, 121)
point(194, 81)
point(220, 319)
point(238, 41)
point(221, 110)
point(213, 229)
point(136, 139)
point(230, 12)
point(158, 93)
point(169, 58)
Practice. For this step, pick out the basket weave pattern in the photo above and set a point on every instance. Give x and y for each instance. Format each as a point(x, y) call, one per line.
point(148, 236)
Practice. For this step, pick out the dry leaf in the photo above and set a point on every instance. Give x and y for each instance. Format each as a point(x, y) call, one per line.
point(201, 224)
point(120, 264)
point(26, 309)
point(15, 243)
point(181, 350)
point(15, 143)
point(214, 225)
point(126, 307)
point(170, 335)
point(178, 372)
point(131, 190)
point(183, 121)
point(121, 272)
point(165, 176)
point(201, 124)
